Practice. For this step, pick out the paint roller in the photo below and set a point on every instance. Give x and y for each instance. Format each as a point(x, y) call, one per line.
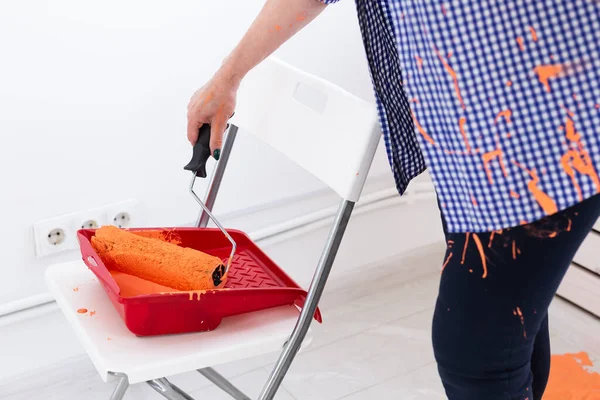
point(161, 262)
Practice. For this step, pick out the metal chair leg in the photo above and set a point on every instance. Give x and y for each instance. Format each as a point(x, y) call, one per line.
point(122, 386)
point(223, 383)
point(312, 300)
point(168, 390)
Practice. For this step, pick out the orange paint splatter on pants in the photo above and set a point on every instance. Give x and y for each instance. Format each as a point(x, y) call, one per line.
point(464, 254)
point(506, 114)
point(481, 254)
point(461, 125)
point(547, 72)
point(547, 204)
point(82, 311)
point(570, 224)
point(514, 250)
point(454, 76)
point(422, 131)
point(419, 62)
point(520, 314)
point(491, 239)
point(514, 195)
point(446, 262)
point(578, 160)
point(534, 35)
point(570, 379)
point(521, 44)
point(489, 157)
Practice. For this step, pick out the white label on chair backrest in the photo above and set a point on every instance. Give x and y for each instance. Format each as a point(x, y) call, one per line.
point(310, 97)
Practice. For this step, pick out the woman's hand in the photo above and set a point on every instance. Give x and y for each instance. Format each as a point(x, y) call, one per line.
point(213, 104)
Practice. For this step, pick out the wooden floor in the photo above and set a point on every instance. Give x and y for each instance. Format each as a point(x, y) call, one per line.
point(373, 345)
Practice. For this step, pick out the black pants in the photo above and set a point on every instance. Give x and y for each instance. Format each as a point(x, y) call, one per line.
point(490, 329)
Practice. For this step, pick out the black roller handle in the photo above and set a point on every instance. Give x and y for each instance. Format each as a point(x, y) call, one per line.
point(201, 152)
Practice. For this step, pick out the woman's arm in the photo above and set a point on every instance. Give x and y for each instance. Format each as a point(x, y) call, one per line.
point(214, 103)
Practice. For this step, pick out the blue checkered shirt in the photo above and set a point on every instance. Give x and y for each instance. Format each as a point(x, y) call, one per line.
point(500, 98)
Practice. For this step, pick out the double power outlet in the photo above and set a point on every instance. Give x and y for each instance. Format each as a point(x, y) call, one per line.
point(59, 234)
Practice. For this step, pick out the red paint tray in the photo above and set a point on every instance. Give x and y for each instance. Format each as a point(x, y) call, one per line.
point(254, 283)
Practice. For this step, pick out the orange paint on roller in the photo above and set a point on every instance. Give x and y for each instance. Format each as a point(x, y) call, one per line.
point(156, 261)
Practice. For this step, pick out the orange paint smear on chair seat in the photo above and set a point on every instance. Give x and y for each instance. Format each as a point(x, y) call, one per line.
point(571, 380)
point(545, 201)
point(156, 261)
point(454, 76)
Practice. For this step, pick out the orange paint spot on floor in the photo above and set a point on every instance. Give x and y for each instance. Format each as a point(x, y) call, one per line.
point(464, 254)
point(419, 62)
point(545, 201)
point(578, 159)
point(547, 72)
point(454, 76)
point(422, 131)
point(514, 195)
point(82, 311)
point(571, 379)
point(489, 157)
point(446, 262)
point(461, 125)
point(521, 44)
point(534, 34)
point(481, 254)
point(506, 114)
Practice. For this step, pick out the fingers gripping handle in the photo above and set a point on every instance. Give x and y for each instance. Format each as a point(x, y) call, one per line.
point(201, 152)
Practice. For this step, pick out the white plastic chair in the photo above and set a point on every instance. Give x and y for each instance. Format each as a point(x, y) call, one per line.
point(292, 111)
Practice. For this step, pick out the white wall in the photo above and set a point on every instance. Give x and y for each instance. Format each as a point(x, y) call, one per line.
point(92, 111)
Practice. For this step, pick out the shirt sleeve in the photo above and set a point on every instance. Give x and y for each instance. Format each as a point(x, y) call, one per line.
point(329, 1)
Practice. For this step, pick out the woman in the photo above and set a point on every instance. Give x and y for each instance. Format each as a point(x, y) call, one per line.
point(501, 100)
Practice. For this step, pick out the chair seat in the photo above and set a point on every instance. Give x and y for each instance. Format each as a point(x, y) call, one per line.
point(112, 348)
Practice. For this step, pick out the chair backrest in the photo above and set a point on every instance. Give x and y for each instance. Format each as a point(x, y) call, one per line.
point(321, 127)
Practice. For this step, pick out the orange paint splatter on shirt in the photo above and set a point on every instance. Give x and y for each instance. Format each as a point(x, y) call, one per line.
point(489, 157)
point(422, 131)
point(534, 35)
point(82, 311)
point(419, 62)
point(454, 76)
point(444, 10)
point(571, 379)
point(521, 44)
point(514, 195)
point(569, 112)
point(547, 72)
point(523, 222)
point(446, 262)
point(545, 201)
point(509, 83)
point(578, 159)
point(464, 254)
point(461, 125)
point(481, 254)
point(474, 201)
point(597, 106)
point(506, 114)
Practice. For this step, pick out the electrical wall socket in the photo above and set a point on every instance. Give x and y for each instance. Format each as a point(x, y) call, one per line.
point(59, 234)
point(125, 214)
point(54, 235)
